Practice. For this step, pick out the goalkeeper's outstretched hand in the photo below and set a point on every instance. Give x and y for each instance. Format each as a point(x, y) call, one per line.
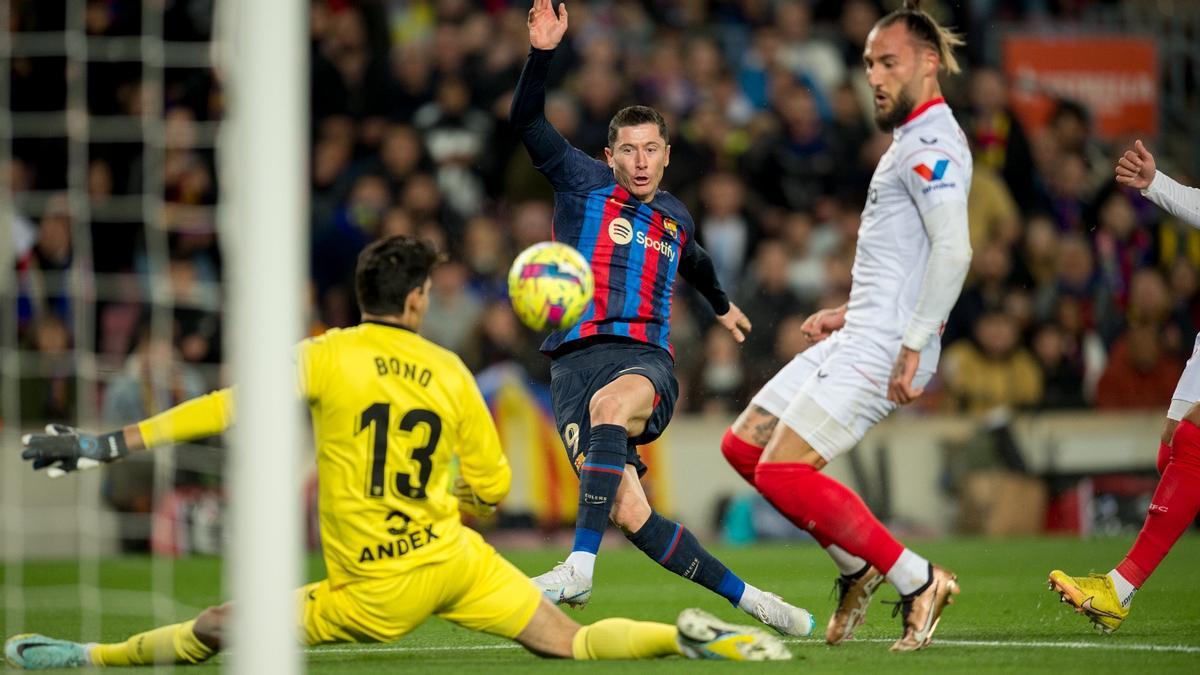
point(63, 449)
point(469, 502)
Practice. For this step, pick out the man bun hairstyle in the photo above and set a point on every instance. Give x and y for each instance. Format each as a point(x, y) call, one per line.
point(633, 116)
point(925, 29)
point(389, 269)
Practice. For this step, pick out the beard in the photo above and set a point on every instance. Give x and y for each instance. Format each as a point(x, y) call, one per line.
point(901, 109)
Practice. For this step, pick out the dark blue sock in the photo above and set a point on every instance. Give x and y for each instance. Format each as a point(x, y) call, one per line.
point(675, 548)
point(599, 478)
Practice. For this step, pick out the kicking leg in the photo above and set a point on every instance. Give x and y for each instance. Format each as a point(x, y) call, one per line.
point(1105, 599)
point(673, 546)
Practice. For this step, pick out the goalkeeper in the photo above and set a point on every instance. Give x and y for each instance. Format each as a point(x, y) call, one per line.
point(390, 410)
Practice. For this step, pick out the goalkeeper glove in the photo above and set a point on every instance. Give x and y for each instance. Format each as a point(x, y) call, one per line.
point(469, 502)
point(63, 449)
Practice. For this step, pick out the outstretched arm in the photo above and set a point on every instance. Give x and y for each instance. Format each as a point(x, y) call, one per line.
point(63, 449)
point(527, 114)
point(1136, 168)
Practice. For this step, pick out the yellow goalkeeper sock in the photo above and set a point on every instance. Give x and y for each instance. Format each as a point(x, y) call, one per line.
point(176, 643)
point(625, 639)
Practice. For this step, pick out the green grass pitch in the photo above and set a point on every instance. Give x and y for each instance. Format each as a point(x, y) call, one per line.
point(1005, 620)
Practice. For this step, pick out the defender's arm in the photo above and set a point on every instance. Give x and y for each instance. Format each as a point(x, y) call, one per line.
point(1175, 198)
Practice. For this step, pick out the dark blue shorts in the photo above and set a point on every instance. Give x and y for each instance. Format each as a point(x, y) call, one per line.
point(577, 375)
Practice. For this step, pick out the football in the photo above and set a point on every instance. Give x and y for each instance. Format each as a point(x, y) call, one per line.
point(550, 285)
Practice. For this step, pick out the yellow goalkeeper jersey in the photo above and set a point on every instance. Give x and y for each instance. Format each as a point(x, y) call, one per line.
point(390, 410)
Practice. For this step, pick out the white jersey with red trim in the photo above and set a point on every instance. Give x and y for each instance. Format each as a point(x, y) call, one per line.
point(927, 165)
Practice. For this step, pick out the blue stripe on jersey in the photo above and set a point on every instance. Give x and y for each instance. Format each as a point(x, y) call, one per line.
point(633, 274)
point(618, 293)
point(593, 213)
point(663, 330)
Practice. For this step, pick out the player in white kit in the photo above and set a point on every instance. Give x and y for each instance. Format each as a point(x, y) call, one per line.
point(878, 351)
point(1105, 598)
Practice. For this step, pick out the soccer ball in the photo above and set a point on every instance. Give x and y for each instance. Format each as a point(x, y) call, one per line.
point(549, 285)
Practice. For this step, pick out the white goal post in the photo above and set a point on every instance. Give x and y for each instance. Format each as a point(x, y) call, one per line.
point(263, 61)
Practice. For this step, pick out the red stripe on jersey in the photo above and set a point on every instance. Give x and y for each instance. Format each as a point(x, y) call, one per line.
point(649, 275)
point(602, 260)
point(922, 108)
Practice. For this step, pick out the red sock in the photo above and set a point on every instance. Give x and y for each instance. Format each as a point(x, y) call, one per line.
point(1174, 506)
point(1164, 458)
point(829, 510)
point(742, 456)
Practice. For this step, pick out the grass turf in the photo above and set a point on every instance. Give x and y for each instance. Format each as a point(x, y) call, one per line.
point(1005, 619)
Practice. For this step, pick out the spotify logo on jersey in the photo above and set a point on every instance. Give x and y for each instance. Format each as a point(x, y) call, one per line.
point(620, 231)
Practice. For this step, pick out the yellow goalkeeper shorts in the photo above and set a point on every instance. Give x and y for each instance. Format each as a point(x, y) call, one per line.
point(476, 589)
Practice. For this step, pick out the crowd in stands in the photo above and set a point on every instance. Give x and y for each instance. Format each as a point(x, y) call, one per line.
point(1081, 293)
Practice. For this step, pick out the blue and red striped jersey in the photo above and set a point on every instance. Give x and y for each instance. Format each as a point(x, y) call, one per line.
point(634, 248)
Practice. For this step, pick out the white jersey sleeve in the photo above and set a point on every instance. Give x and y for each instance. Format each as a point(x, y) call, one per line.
point(938, 183)
point(1177, 199)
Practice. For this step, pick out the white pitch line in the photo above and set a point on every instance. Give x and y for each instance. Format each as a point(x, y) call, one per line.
point(1116, 647)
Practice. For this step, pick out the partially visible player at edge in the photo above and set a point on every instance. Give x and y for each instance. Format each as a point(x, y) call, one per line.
point(390, 412)
point(612, 378)
point(1105, 598)
point(879, 350)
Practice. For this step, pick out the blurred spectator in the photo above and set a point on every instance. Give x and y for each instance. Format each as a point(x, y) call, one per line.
point(1075, 277)
point(767, 300)
point(986, 292)
point(725, 227)
point(992, 371)
point(456, 135)
point(810, 57)
point(1140, 373)
point(807, 270)
point(796, 165)
point(485, 250)
point(335, 251)
point(997, 137)
point(1071, 127)
point(992, 213)
point(722, 382)
point(1062, 375)
point(1121, 246)
point(153, 378)
point(453, 309)
point(498, 337)
point(1082, 344)
point(1069, 186)
point(48, 394)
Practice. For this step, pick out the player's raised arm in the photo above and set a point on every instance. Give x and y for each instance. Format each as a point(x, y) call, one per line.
point(1136, 168)
point(528, 111)
point(696, 267)
point(63, 449)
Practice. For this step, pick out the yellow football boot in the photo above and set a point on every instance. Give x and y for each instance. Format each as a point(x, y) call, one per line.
point(1093, 595)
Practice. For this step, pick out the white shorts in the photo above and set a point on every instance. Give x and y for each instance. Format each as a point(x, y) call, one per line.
point(1187, 392)
point(836, 390)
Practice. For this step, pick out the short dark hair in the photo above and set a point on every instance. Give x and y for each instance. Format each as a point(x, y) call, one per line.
point(633, 116)
point(389, 269)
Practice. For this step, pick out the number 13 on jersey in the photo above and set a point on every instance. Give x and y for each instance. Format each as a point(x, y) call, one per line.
point(422, 428)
